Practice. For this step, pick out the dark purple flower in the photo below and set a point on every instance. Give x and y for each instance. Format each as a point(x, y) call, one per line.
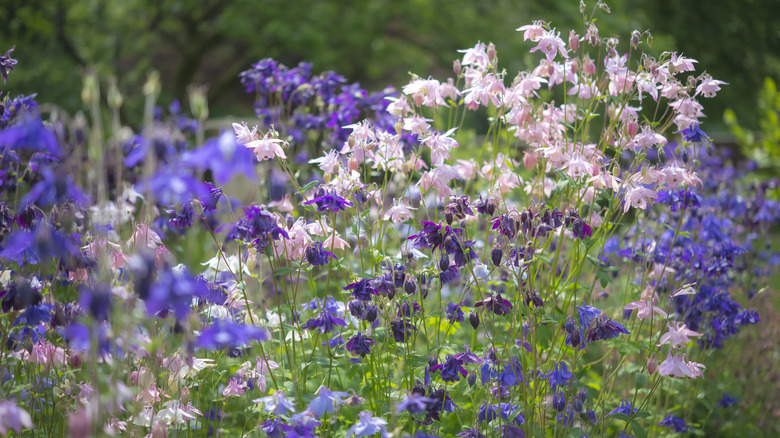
point(450, 369)
point(677, 423)
point(7, 63)
point(360, 344)
point(454, 312)
point(727, 401)
point(604, 328)
point(559, 401)
point(402, 329)
point(325, 323)
point(496, 304)
point(228, 334)
point(97, 300)
point(362, 289)
point(328, 200)
point(317, 255)
point(257, 226)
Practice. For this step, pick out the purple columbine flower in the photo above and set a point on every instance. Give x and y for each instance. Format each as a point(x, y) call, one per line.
point(367, 425)
point(625, 407)
point(360, 344)
point(512, 374)
point(414, 403)
point(362, 289)
point(7, 65)
point(727, 401)
point(495, 303)
point(224, 157)
point(328, 200)
point(325, 323)
point(276, 404)
point(402, 329)
point(560, 376)
point(316, 255)
point(257, 226)
point(228, 334)
point(677, 423)
point(174, 291)
point(451, 369)
point(692, 133)
point(605, 328)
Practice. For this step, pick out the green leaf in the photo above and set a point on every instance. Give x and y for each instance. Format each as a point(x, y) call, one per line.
point(639, 431)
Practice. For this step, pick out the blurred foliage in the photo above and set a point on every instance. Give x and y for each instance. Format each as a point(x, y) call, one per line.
point(374, 42)
point(762, 146)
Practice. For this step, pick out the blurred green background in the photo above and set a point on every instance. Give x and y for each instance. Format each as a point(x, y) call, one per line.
point(376, 42)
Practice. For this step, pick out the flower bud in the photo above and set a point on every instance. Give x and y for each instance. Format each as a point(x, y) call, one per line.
point(574, 41)
point(444, 262)
point(472, 378)
point(635, 36)
point(91, 90)
point(409, 285)
point(496, 255)
point(474, 320)
point(652, 365)
point(491, 51)
point(456, 66)
point(370, 314)
point(632, 128)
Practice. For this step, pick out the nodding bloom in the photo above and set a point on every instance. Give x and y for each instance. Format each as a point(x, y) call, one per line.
point(560, 376)
point(328, 200)
point(625, 407)
point(496, 304)
point(268, 147)
point(414, 403)
point(450, 369)
point(402, 329)
point(677, 366)
point(677, 335)
point(325, 323)
point(692, 133)
point(604, 328)
point(257, 226)
point(360, 344)
point(317, 255)
point(362, 289)
point(454, 312)
point(727, 401)
point(6, 66)
point(13, 418)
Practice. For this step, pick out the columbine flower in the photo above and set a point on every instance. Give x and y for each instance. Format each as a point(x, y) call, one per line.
point(276, 404)
point(367, 425)
point(360, 344)
point(174, 291)
point(224, 333)
point(224, 156)
point(6, 66)
point(677, 366)
point(267, 147)
point(13, 418)
point(708, 86)
point(727, 401)
point(692, 133)
point(646, 305)
point(495, 304)
point(560, 376)
point(625, 407)
point(414, 403)
point(677, 335)
point(325, 323)
point(399, 212)
point(677, 423)
point(454, 312)
point(604, 328)
point(317, 256)
point(328, 200)
point(550, 44)
point(450, 369)
point(326, 401)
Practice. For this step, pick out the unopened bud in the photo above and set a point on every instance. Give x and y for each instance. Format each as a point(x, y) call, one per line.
point(632, 127)
point(652, 365)
point(496, 255)
point(574, 41)
point(456, 66)
point(199, 101)
point(635, 36)
point(91, 90)
point(491, 51)
point(474, 320)
point(444, 262)
point(114, 97)
point(152, 85)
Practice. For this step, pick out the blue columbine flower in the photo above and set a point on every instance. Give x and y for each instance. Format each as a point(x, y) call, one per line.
point(327, 401)
point(625, 407)
point(727, 401)
point(367, 425)
point(677, 423)
point(402, 329)
point(692, 133)
point(257, 226)
point(605, 328)
point(224, 156)
point(228, 334)
point(30, 134)
point(360, 344)
point(362, 289)
point(328, 200)
point(512, 374)
point(174, 291)
point(560, 376)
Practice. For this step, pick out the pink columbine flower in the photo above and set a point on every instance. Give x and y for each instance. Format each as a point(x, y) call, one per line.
point(708, 86)
point(47, 355)
point(440, 145)
point(677, 335)
point(677, 366)
point(399, 212)
point(534, 31)
point(637, 197)
point(679, 63)
point(476, 56)
point(328, 163)
point(648, 138)
point(144, 238)
point(645, 306)
point(550, 44)
point(234, 389)
point(268, 147)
